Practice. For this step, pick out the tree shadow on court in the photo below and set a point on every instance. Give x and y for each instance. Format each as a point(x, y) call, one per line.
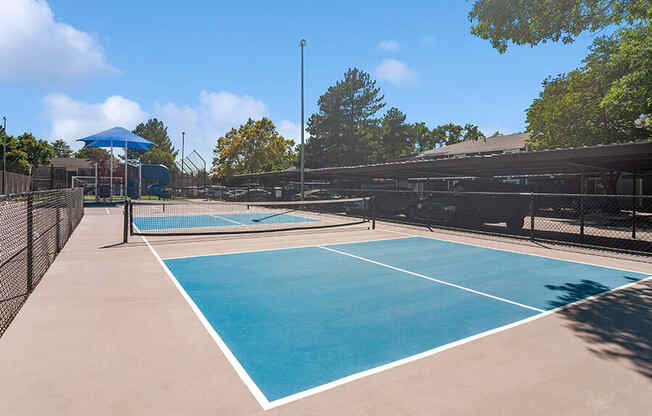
point(617, 325)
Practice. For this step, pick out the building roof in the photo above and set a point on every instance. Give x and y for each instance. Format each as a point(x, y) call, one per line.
point(71, 163)
point(509, 143)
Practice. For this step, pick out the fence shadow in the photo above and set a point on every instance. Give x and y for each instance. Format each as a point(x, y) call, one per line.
point(617, 325)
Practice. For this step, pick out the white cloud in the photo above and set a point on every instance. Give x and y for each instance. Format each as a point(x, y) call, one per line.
point(73, 119)
point(395, 72)
point(291, 130)
point(389, 45)
point(210, 117)
point(213, 115)
point(35, 47)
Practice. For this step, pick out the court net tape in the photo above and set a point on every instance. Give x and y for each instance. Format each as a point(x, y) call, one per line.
point(200, 217)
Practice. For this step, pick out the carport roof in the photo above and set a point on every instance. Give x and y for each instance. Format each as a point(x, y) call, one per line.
point(625, 157)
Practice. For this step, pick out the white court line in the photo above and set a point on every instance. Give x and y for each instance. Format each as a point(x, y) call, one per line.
point(442, 348)
point(443, 282)
point(107, 211)
point(253, 388)
point(513, 251)
point(226, 219)
point(281, 248)
point(266, 405)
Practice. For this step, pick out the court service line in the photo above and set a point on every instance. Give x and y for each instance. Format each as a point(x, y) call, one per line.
point(281, 248)
point(226, 219)
point(515, 251)
point(242, 373)
point(423, 276)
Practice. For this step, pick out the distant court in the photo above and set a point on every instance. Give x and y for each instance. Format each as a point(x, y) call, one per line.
point(214, 220)
point(298, 320)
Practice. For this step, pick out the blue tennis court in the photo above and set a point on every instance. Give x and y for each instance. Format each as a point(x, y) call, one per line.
point(215, 220)
point(296, 319)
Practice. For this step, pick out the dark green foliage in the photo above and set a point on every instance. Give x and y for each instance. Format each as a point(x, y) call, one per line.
point(61, 149)
point(341, 131)
point(530, 22)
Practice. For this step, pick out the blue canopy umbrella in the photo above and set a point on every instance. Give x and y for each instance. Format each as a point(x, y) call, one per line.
point(121, 137)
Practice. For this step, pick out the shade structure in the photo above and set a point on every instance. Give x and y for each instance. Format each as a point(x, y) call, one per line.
point(118, 137)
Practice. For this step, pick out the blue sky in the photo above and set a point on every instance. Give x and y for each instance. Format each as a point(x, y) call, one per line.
point(71, 68)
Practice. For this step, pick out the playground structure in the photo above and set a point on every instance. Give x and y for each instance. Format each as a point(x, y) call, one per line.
point(108, 183)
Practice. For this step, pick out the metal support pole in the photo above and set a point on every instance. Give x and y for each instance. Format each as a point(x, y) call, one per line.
point(97, 185)
point(131, 219)
point(373, 213)
point(58, 219)
point(125, 233)
point(302, 44)
point(183, 147)
point(4, 155)
point(581, 203)
point(111, 173)
point(30, 242)
point(205, 175)
point(532, 211)
point(126, 169)
point(634, 205)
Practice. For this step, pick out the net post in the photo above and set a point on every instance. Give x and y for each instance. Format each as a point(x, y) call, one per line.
point(125, 234)
point(30, 242)
point(373, 212)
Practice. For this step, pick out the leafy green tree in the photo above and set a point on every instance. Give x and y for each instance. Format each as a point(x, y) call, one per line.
point(38, 152)
point(447, 134)
point(530, 22)
point(422, 137)
point(16, 158)
point(341, 131)
point(255, 146)
point(61, 149)
point(600, 102)
point(162, 152)
point(496, 134)
point(472, 132)
point(395, 138)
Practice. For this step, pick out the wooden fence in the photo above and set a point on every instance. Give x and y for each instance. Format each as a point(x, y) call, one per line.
point(15, 183)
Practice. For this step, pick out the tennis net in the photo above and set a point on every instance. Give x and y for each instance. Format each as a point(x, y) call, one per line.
point(218, 217)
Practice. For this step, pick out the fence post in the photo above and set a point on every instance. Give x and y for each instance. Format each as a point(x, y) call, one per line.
point(131, 219)
point(581, 203)
point(125, 230)
point(30, 242)
point(58, 219)
point(373, 212)
point(532, 211)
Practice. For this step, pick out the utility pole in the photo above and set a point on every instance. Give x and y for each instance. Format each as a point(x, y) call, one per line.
point(183, 145)
point(4, 155)
point(302, 44)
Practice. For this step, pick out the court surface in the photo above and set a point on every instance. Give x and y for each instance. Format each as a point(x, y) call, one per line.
point(297, 321)
point(215, 220)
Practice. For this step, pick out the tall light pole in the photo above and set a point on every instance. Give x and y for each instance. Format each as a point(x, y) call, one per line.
point(302, 44)
point(4, 154)
point(183, 145)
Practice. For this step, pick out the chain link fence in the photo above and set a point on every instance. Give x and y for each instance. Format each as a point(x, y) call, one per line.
point(34, 227)
point(619, 222)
